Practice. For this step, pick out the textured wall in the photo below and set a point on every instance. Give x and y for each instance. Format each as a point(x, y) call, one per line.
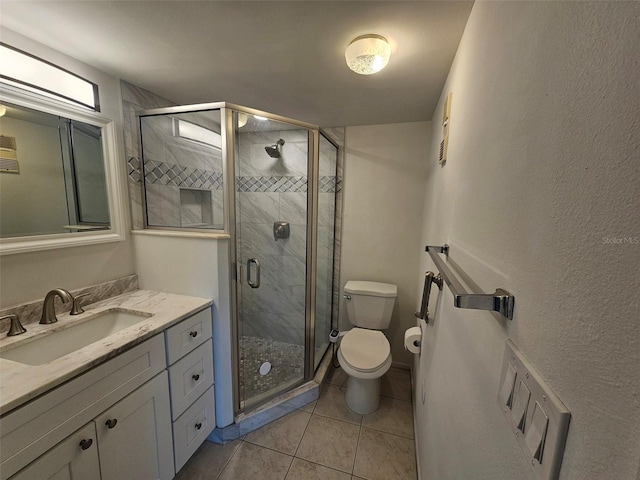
point(385, 173)
point(28, 276)
point(541, 196)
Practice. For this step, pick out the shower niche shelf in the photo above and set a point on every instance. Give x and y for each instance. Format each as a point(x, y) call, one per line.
point(195, 208)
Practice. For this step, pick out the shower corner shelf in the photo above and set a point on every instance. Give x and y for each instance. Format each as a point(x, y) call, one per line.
point(500, 301)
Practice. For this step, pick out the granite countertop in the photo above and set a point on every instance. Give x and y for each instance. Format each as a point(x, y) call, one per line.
point(20, 383)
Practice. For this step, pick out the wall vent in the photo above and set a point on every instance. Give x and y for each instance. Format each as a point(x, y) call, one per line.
point(446, 120)
point(8, 155)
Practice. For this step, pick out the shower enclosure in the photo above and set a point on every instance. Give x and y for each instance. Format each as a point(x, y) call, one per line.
point(269, 183)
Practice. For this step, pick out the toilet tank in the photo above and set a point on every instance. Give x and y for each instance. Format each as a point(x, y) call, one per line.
point(371, 303)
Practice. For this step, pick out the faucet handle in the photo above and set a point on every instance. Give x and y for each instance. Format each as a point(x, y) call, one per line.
point(16, 327)
point(76, 309)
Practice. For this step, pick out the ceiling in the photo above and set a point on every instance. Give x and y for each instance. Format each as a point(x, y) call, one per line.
point(285, 57)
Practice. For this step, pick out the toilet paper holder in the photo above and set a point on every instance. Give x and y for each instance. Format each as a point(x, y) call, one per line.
point(429, 278)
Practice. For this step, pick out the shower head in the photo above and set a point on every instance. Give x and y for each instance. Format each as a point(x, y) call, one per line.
point(274, 150)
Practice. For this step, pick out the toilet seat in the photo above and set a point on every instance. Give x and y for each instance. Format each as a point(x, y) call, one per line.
point(365, 351)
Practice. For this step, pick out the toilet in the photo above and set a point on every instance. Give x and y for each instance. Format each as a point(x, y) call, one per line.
point(364, 352)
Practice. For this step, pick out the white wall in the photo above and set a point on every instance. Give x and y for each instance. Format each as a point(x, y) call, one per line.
point(197, 267)
point(385, 174)
point(28, 276)
point(543, 167)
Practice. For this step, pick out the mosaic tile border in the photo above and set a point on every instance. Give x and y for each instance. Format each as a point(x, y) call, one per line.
point(160, 173)
point(280, 184)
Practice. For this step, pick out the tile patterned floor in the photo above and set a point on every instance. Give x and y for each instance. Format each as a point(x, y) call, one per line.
point(323, 440)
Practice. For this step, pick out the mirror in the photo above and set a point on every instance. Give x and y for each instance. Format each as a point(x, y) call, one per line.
point(58, 175)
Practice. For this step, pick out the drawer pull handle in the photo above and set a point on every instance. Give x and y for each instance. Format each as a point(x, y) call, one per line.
point(111, 422)
point(194, 334)
point(198, 426)
point(86, 443)
point(195, 377)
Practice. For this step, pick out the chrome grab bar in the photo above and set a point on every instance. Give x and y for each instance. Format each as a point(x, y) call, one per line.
point(255, 284)
point(429, 278)
point(500, 301)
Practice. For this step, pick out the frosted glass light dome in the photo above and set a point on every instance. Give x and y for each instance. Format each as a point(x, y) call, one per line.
point(368, 54)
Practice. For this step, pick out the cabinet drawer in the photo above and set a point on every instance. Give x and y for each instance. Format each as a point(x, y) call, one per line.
point(31, 430)
point(190, 377)
point(187, 335)
point(193, 427)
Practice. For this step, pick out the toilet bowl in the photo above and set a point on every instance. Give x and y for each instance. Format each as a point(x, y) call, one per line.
point(365, 356)
point(364, 352)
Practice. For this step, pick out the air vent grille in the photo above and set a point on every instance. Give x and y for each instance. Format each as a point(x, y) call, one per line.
point(8, 165)
point(7, 143)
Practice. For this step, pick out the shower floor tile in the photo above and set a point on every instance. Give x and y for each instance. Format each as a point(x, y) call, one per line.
point(287, 361)
point(299, 445)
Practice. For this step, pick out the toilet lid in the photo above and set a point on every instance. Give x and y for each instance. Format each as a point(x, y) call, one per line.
point(365, 350)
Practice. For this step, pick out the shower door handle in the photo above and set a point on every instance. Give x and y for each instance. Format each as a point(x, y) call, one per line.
point(255, 284)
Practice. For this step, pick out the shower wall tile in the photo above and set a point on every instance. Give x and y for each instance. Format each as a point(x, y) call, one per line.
point(163, 205)
point(278, 184)
point(296, 244)
point(326, 209)
point(293, 207)
point(293, 270)
point(291, 136)
point(294, 328)
point(134, 99)
point(275, 299)
point(283, 328)
point(256, 239)
point(217, 200)
point(258, 207)
point(325, 235)
point(184, 153)
point(141, 97)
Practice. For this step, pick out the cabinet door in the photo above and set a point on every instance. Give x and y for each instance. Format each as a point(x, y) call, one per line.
point(75, 458)
point(135, 435)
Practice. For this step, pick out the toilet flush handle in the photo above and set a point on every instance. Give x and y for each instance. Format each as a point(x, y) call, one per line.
point(346, 297)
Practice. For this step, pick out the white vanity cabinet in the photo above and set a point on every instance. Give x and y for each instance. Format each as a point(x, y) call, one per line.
point(127, 418)
point(190, 360)
point(133, 441)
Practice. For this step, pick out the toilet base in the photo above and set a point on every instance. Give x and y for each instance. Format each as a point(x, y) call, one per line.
point(363, 395)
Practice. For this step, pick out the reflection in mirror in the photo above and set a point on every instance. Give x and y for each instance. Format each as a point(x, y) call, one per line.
point(52, 175)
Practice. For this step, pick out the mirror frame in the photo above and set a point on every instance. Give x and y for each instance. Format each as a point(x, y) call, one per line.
point(113, 174)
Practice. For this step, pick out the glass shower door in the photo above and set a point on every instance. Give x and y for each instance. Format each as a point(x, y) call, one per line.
point(271, 250)
point(325, 288)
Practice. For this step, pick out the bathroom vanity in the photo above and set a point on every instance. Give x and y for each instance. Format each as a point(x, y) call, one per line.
point(135, 403)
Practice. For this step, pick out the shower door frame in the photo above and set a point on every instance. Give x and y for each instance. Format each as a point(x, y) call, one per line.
point(229, 150)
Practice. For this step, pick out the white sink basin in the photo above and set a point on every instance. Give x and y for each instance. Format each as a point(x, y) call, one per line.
point(47, 348)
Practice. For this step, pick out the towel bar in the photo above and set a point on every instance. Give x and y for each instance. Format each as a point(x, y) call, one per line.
point(500, 301)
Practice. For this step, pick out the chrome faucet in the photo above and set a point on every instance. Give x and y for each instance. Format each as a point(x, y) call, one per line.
point(49, 308)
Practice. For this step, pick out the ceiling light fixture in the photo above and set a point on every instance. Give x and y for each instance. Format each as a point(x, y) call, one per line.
point(368, 54)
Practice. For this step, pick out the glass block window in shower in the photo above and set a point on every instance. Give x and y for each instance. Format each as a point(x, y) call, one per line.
point(182, 170)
